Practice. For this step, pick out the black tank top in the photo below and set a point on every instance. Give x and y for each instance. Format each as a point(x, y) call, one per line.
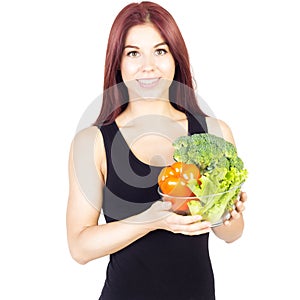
point(161, 265)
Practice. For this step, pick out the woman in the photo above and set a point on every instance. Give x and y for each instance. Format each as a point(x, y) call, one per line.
point(148, 101)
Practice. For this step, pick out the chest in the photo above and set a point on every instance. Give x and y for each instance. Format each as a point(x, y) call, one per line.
point(153, 150)
point(153, 144)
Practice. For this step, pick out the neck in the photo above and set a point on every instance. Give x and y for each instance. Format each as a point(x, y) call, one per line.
point(148, 110)
point(140, 107)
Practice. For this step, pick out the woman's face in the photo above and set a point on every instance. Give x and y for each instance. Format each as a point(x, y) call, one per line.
point(147, 65)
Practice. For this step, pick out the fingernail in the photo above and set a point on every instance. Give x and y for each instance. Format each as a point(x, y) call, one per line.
point(197, 218)
point(207, 224)
point(227, 223)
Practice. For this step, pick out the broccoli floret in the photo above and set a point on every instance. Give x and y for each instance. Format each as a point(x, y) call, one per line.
point(181, 146)
point(236, 162)
point(223, 162)
point(205, 150)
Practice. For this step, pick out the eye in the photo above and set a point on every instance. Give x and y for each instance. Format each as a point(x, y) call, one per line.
point(133, 54)
point(160, 52)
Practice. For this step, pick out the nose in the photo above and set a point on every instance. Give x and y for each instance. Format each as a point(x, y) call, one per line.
point(148, 63)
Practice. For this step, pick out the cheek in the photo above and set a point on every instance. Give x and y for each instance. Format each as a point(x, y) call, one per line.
point(128, 70)
point(168, 67)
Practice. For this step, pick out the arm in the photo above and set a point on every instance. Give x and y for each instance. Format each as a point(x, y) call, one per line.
point(89, 240)
point(233, 228)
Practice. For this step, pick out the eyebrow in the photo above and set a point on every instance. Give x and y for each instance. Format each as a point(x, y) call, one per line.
point(136, 47)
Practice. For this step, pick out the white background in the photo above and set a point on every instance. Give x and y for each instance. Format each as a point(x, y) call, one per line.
point(245, 57)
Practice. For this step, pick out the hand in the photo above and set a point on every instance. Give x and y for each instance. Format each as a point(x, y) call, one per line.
point(167, 220)
point(239, 208)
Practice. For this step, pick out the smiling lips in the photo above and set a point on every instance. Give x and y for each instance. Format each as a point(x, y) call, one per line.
point(148, 82)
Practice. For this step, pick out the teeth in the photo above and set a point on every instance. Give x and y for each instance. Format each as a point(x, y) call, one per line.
point(148, 81)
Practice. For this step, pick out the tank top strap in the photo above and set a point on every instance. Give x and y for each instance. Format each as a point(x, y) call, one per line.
point(108, 132)
point(196, 123)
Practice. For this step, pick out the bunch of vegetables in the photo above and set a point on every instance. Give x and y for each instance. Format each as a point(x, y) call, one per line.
point(207, 167)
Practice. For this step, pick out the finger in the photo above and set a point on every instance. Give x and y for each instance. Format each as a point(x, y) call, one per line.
point(186, 220)
point(192, 228)
point(240, 206)
point(198, 228)
point(227, 223)
point(203, 231)
point(235, 215)
point(243, 196)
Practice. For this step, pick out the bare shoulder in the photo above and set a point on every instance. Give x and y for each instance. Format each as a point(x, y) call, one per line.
point(88, 146)
point(91, 133)
point(219, 128)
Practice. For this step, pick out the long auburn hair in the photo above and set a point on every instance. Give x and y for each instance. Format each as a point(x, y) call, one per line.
point(115, 93)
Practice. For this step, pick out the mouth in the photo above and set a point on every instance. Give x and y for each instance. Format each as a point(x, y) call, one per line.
point(148, 82)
